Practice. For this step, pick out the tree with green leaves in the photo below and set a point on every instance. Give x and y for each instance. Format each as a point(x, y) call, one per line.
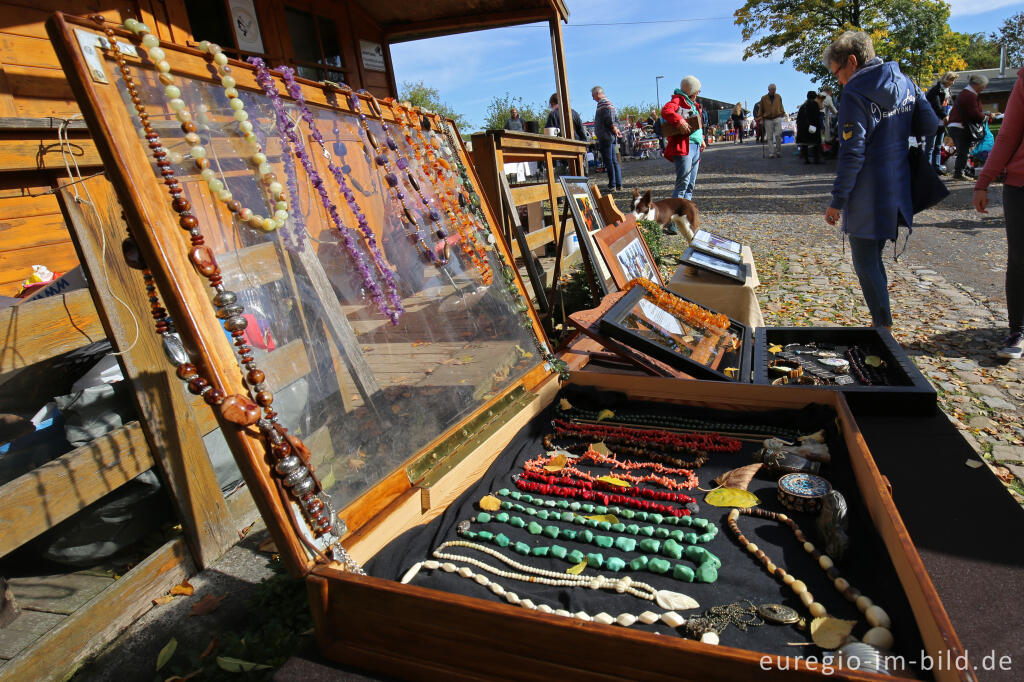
point(913, 32)
point(500, 108)
point(420, 95)
point(980, 51)
point(1011, 34)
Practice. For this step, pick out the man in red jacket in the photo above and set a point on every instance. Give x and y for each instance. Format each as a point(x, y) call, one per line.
point(966, 110)
point(1008, 154)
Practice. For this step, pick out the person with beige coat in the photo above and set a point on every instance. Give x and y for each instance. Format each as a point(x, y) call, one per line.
point(771, 113)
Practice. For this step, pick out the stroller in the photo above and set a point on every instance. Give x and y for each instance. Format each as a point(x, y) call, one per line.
point(979, 154)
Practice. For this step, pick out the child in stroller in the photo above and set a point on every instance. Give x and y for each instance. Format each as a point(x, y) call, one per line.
point(979, 154)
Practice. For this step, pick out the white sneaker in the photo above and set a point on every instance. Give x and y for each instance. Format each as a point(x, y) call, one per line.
point(1013, 347)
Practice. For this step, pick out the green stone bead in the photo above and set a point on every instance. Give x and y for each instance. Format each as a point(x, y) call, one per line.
point(625, 544)
point(710, 558)
point(586, 507)
point(641, 516)
point(541, 551)
point(522, 548)
point(595, 560)
point(534, 528)
point(558, 551)
point(705, 537)
point(530, 510)
point(633, 529)
point(501, 540)
point(574, 557)
point(542, 514)
point(605, 541)
point(690, 538)
point(661, 533)
point(706, 573)
point(672, 520)
point(655, 518)
point(470, 535)
point(600, 510)
point(515, 495)
point(604, 525)
point(483, 517)
point(485, 535)
point(580, 520)
point(568, 534)
point(672, 549)
point(659, 565)
point(501, 517)
point(504, 492)
point(685, 520)
point(695, 553)
point(586, 536)
point(551, 532)
point(519, 508)
point(647, 531)
point(568, 516)
point(562, 504)
point(676, 535)
point(638, 564)
point(574, 506)
point(650, 545)
point(627, 513)
point(618, 527)
point(614, 563)
point(684, 573)
point(506, 505)
point(517, 522)
point(700, 523)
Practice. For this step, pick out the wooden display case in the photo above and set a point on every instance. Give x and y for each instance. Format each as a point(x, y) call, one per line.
point(382, 625)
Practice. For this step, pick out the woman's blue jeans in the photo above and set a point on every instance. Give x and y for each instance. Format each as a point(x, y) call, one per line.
point(686, 172)
point(874, 284)
point(611, 162)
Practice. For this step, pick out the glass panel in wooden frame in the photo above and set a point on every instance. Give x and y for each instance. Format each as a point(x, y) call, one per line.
point(715, 265)
point(626, 252)
point(588, 221)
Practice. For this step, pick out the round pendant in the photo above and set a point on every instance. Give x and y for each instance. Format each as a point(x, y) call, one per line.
point(837, 364)
point(778, 613)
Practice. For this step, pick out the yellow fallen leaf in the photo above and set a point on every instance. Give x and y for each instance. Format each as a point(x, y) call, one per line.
point(775, 349)
point(564, 404)
point(577, 569)
point(160, 601)
point(605, 414)
point(184, 589)
point(615, 481)
point(830, 633)
point(556, 463)
point(601, 449)
point(731, 497)
point(490, 503)
point(610, 518)
point(873, 360)
point(732, 372)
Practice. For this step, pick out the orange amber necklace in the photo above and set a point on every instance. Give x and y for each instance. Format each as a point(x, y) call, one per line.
point(691, 313)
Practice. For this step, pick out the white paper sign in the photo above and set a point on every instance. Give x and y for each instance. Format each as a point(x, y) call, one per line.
point(247, 29)
point(660, 317)
point(373, 56)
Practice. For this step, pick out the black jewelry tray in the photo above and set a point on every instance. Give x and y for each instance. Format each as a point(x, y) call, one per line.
point(915, 395)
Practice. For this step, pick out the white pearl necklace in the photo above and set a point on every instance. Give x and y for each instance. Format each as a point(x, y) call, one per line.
point(198, 152)
point(555, 579)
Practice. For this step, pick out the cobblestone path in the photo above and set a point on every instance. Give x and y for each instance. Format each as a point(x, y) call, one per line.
point(946, 290)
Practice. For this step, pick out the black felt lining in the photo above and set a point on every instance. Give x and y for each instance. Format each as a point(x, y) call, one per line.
point(867, 565)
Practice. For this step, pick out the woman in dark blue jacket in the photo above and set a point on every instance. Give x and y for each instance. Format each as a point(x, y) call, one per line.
point(880, 110)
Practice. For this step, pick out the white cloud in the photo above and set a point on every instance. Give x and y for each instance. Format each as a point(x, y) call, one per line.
point(966, 7)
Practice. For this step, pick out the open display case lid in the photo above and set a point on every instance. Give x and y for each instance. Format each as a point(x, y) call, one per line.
point(379, 405)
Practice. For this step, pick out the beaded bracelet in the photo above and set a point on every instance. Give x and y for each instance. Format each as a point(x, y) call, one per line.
point(706, 571)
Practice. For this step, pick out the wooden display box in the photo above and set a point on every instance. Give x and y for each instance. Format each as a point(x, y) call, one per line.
point(415, 475)
point(915, 395)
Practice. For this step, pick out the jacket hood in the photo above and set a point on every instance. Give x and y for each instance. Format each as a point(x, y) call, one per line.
point(882, 83)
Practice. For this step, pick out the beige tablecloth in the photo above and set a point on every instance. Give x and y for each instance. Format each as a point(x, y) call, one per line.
point(721, 294)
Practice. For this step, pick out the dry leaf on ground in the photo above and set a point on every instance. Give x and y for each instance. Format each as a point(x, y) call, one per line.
point(208, 604)
point(184, 589)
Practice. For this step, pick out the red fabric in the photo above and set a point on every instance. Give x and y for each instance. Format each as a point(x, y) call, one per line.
point(1008, 150)
point(677, 145)
point(968, 102)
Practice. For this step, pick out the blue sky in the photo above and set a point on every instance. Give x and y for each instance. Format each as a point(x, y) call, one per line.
point(470, 69)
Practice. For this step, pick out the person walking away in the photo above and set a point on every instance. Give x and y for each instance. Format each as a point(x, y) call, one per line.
point(1008, 155)
point(966, 112)
point(880, 110)
point(758, 128)
point(737, 121)
point(937, 96)
point(606, 126)
point(808, 128)
point(515, 121)
point(684, 150)
point(772, 113)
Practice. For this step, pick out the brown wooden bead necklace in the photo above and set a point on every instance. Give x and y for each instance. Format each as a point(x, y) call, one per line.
point(290, 455)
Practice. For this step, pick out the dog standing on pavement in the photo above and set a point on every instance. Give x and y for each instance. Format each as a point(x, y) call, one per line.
point(675, 215)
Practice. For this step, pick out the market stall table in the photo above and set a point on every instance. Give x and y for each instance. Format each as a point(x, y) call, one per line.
point(723, 295)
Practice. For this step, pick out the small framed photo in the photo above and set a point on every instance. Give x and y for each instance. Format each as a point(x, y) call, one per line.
point(726, 249)
point(709, 263)
point(626, 252)
point(680, 333)
point(588, 222)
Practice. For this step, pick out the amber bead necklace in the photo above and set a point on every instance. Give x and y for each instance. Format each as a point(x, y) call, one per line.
point(691, 313)
point(289, 454)
point(879, 635)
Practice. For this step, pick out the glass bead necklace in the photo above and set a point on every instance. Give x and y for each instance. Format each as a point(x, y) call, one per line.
point(289, 454)
point(387, 298)
point(879, 635)
point(273, 189)
point(541, 463)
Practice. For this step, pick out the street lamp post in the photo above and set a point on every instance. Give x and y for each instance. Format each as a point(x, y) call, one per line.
point(657, 90)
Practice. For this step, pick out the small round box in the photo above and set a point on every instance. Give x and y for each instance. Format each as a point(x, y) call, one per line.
point(803, 492)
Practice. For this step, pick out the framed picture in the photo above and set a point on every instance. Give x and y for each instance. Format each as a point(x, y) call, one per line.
point(726, 249)
point(626, 253)
point(681, 333)
point(246, 26)
point(709, 263)
point(588, 222)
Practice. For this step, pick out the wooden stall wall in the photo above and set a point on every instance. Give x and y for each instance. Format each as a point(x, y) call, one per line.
point(35, 99)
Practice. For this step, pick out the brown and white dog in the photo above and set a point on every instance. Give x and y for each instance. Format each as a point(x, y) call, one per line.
point(673, 214)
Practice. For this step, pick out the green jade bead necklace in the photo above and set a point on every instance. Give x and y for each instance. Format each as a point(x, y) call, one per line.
point(623, 512)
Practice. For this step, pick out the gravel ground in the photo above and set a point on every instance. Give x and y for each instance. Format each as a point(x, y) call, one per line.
point(947, 288)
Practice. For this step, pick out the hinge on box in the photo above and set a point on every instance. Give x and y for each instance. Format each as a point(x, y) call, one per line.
point(441, 459)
